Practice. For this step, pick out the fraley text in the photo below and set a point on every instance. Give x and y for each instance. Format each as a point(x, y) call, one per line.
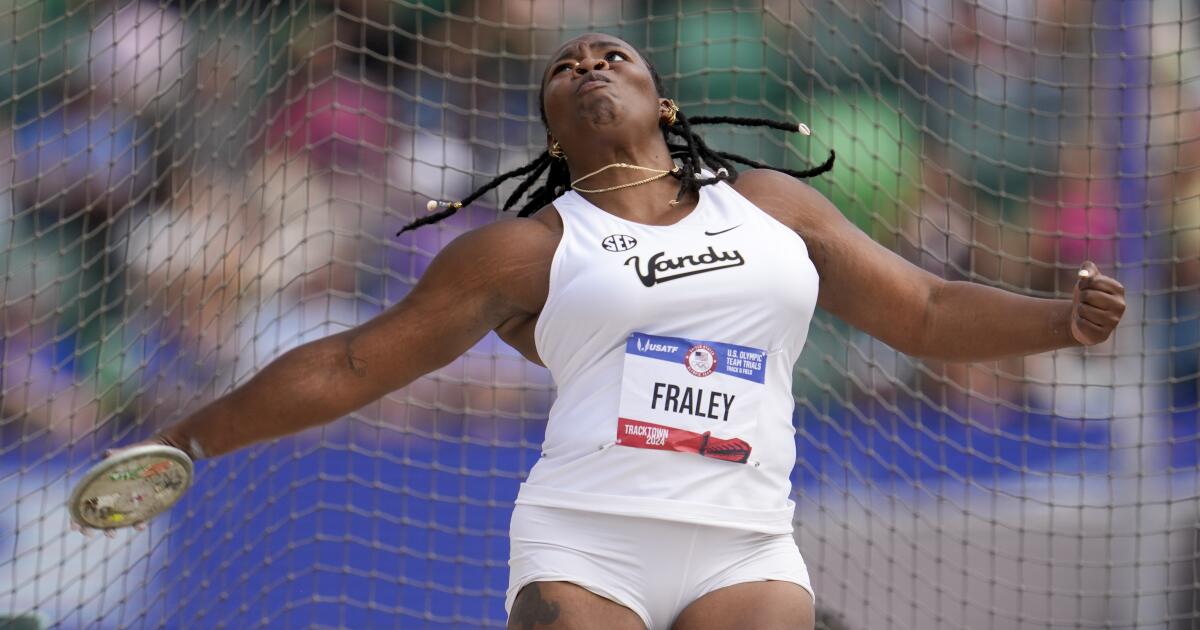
point(659, 268)
point(691, 401)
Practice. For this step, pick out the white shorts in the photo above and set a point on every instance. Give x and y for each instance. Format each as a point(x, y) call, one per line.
point(653, 567)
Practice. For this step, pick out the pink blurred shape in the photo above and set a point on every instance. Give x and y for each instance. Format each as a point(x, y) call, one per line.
point(340, 122)
point(1082, 225)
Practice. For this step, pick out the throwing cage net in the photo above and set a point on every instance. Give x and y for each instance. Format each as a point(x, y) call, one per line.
point(191, 188)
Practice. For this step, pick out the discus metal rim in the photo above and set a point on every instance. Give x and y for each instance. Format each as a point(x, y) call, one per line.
point(108, 464)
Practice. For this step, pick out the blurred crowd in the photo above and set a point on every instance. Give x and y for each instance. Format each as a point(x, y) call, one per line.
point(191, 188)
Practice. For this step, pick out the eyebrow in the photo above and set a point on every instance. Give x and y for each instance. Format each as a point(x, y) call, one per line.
point(604, 43)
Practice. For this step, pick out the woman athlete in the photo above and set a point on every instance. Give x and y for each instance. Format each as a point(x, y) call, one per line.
point(670, 303)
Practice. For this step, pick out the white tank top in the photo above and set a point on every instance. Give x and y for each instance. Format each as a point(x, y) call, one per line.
point(672, 348)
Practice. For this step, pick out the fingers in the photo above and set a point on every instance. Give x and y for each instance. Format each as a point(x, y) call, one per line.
point(1090, 325)
point(1089, 333)
point(1090, 278)
point(1103, 301)
point(1099, 303)
point(86, 531)
point(1087, 271)
point(1100, 317)
point(117, 449)
point(1104, 284)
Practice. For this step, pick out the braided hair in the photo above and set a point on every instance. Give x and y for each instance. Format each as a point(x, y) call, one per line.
point(693, 154)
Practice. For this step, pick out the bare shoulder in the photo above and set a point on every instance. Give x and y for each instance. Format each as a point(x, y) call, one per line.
point(511, 238)
point(788, 200)
point(498, 247)
point(509, 259)
point(826, 232)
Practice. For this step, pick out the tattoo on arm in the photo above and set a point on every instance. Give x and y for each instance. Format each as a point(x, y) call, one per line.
point(357, 365)
point(530, 609)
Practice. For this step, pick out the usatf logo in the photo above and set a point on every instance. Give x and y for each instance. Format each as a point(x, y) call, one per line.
point(658, 268)
point(618, 243)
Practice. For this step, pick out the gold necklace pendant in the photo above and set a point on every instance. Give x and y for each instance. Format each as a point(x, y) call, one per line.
point(658, 174)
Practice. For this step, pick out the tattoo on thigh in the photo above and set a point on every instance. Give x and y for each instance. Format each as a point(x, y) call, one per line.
point(530, 609)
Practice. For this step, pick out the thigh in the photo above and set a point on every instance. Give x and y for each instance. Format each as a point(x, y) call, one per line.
point(566, 606)
point(770, 605)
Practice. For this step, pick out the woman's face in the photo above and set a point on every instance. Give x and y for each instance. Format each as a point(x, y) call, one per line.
point(597, 83)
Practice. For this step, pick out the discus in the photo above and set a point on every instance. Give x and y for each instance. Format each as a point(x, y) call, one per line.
point(131, 487)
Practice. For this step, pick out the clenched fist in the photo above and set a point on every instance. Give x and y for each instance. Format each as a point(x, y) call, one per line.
point(1097, 305)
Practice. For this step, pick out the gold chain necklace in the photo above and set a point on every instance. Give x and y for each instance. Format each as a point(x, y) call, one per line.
point(658, 174)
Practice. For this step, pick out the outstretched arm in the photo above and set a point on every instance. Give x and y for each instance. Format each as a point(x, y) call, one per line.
point(475, 284)
point(973, 322)
point(910, 309)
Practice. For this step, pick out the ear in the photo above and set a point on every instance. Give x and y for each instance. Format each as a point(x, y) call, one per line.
point(667, 109)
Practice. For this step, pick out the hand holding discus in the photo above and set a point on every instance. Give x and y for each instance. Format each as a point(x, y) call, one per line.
point(129, 487)
point(1097, 304)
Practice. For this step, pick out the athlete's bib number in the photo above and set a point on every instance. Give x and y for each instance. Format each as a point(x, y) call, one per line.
point(690, 396)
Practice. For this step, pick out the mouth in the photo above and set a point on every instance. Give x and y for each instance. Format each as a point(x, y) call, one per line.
point(592, 83)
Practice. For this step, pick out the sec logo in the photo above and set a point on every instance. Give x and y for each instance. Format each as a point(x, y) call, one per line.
point(618, 243)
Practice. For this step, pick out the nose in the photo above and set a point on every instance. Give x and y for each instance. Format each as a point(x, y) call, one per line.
point(587, 65)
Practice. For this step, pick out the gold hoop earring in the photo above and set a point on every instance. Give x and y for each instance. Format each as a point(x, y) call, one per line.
point(556, 151)
point(672, 112)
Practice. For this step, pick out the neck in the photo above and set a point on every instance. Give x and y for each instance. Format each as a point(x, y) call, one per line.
point(645, 203)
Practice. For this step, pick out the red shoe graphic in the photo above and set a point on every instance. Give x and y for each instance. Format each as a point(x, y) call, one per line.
point(731, 450)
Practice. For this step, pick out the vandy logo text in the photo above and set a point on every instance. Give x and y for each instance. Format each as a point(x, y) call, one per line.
point(660, 269)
